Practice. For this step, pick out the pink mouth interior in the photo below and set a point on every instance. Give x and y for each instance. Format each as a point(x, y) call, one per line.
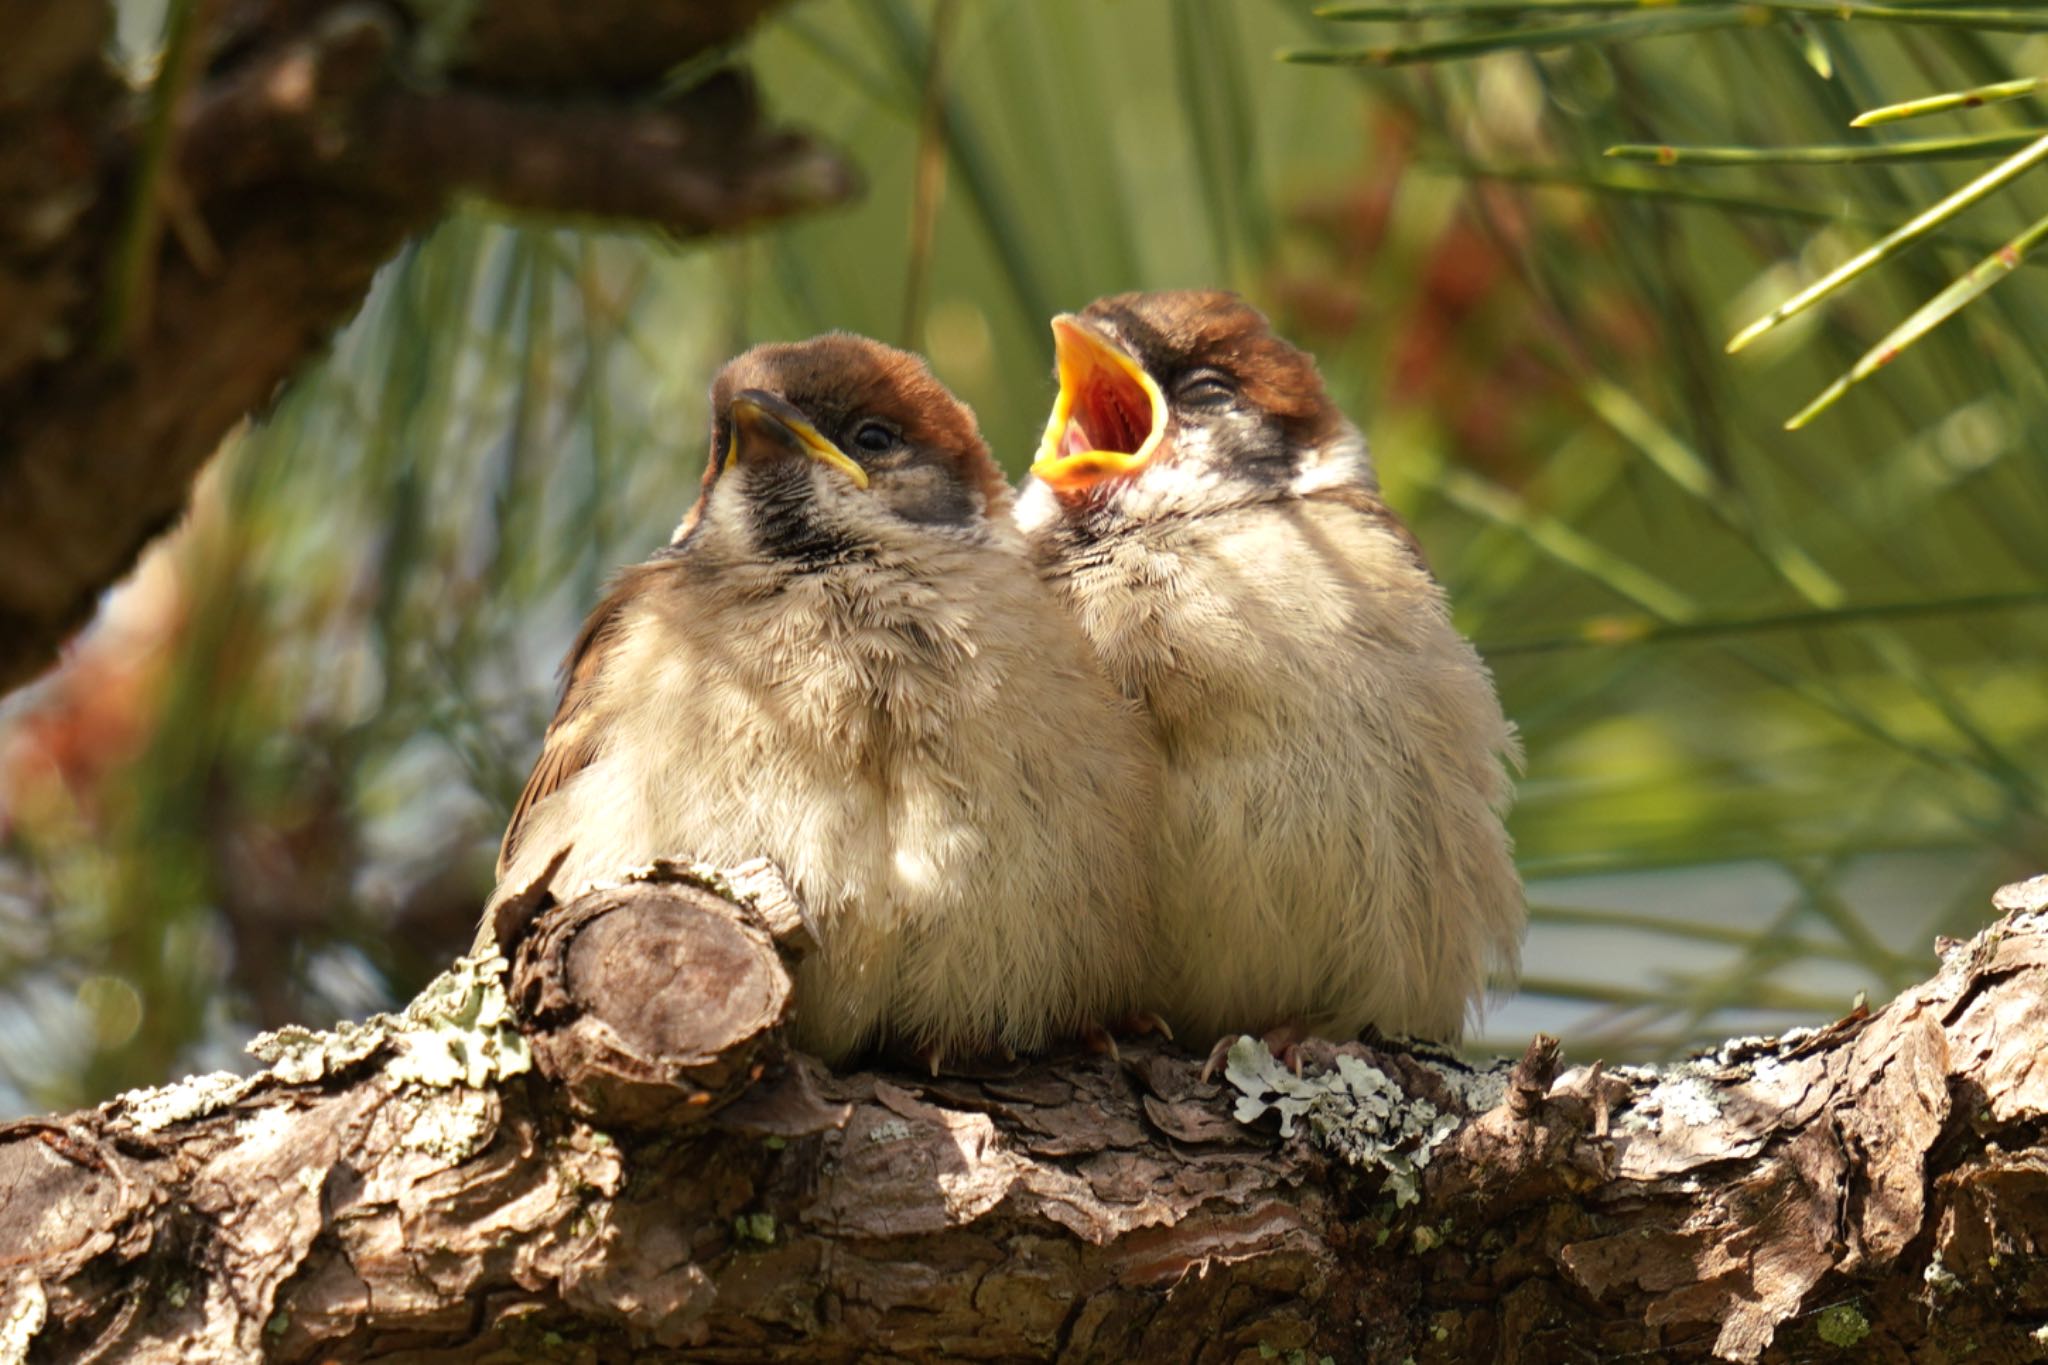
point(1109, 413)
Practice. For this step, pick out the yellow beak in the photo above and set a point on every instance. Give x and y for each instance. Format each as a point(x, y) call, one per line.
point(1110, 416)
point(764, 425)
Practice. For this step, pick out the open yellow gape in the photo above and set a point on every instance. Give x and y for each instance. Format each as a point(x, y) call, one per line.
point(1109, 417)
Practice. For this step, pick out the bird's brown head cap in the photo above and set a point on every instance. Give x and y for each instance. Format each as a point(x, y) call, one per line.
point(848, 408)
point(1138, 372)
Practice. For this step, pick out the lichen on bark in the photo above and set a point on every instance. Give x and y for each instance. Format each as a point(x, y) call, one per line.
point(1881, 1178)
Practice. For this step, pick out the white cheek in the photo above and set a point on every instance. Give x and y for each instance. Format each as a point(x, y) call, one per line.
point(1037, 505)
point(1193, 447)
point(1343, 463)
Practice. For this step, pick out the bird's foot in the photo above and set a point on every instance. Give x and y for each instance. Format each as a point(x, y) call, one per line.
point(1283, 1041)
point(1140, 1024)
point(962, 1058)
point(1098, 1039)
point(1101, 1038)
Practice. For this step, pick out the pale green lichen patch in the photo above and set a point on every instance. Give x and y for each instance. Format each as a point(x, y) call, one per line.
point(889, 1130)
point(454, 1129)
point(461, 1029)
point(301, 1056)
point(1841, 1325)
point(1477, 1089)
point(23, 1309)
point(458, 1031)
point(267, 1125)
point(1689, 1100)
point(152, 1110)
point(1677, 1098)
point(1356, 1111)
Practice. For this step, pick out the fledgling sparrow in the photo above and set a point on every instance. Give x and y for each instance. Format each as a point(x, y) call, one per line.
point(1332, 850)
point(844, 662)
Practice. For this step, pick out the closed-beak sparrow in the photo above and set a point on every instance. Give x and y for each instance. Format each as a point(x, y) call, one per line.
point(845, 663)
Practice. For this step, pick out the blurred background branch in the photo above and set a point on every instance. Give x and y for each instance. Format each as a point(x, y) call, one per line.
point(290, 148)
point(1780, 692)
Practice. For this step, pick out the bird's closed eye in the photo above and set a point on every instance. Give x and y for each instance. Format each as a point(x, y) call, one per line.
point(1206, 388)
point(875, 438)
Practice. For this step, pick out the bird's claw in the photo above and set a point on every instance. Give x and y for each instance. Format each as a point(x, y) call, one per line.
point(1101, 1038)
point(1218, 1055)
point(1284, 1042)
point(1138, 1023)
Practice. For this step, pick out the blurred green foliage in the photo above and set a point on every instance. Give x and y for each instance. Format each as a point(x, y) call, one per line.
point(1784, 696)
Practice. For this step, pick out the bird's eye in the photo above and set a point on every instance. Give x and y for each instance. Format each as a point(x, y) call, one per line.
point(1206, 388)
point(874, 438)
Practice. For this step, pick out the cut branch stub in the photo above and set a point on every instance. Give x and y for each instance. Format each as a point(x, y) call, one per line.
point(1875, 1189)
point(651, 1004)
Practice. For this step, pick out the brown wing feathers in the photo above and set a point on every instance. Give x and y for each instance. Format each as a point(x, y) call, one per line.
point(575, 735)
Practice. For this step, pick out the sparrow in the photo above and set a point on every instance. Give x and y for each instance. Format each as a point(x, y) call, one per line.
point(844, 662)
point(1331, 848)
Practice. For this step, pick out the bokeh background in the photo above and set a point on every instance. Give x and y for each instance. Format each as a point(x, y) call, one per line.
point(1785, 695)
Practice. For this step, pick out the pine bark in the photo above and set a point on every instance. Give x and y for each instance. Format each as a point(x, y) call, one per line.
point(605, 1152)
point(169, 255)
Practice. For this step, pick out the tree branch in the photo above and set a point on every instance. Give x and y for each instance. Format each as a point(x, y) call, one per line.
point(616, 1154)
point(314, 138)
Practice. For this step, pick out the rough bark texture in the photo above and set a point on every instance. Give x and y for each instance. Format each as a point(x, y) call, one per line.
point(606, 1153)
point(169, 256)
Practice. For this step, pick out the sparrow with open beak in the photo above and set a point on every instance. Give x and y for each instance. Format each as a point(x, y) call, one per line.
point(1332, 852)
point(844, 662)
